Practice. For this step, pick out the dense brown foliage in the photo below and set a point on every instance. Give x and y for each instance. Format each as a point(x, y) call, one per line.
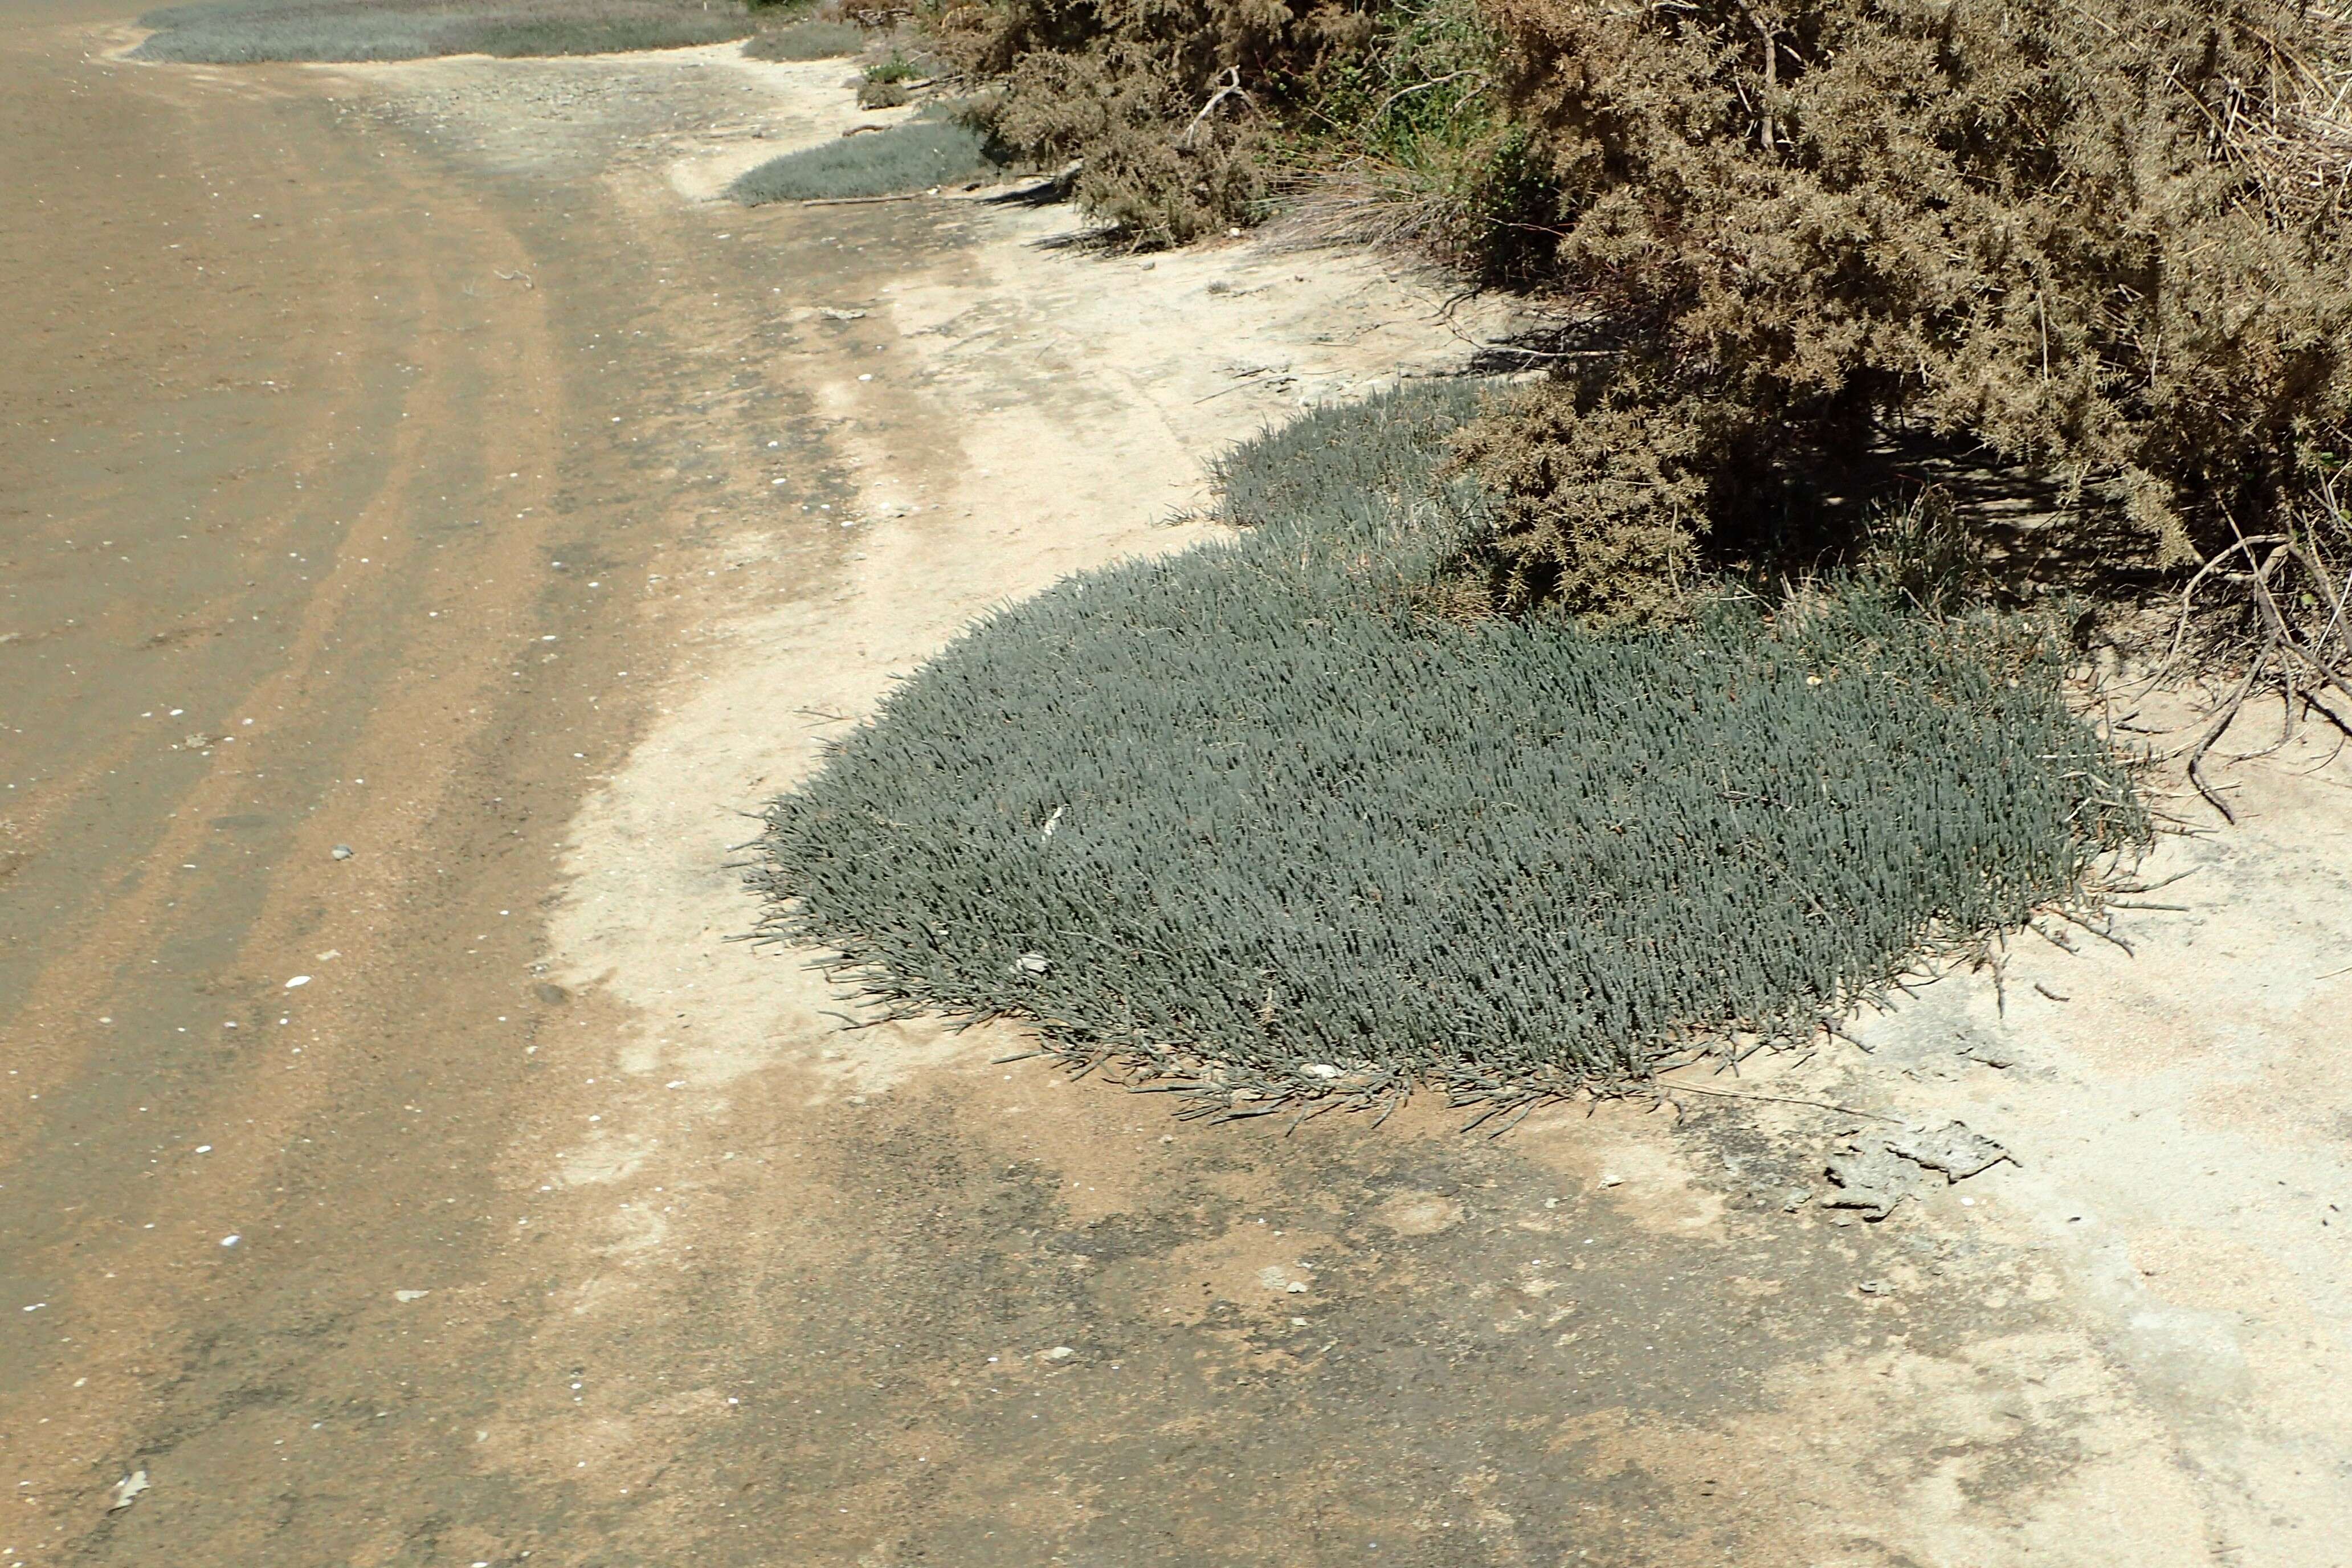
point(2109, 248)
point(1166, 106)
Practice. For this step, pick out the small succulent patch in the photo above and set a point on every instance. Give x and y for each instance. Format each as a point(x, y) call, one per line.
point(934, 148)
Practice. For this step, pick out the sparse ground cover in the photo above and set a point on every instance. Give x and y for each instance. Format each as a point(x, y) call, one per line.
point(938, 148)
point(236, 32)
point(1272, 817)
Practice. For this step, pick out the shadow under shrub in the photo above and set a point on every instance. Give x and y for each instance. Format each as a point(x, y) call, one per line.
point(1251, 819)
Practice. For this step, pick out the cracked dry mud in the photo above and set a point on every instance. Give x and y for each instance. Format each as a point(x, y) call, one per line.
point(541, 515)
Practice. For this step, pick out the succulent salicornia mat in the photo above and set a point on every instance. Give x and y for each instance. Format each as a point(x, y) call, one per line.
point(1263, 816)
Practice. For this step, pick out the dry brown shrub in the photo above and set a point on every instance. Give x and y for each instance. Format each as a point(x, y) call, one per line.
point(1115, 115)
point(2009, 222)
point(1600, 499)
point(1165, 106)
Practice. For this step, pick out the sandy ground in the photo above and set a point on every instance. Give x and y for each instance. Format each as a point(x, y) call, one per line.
point(414, 459)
